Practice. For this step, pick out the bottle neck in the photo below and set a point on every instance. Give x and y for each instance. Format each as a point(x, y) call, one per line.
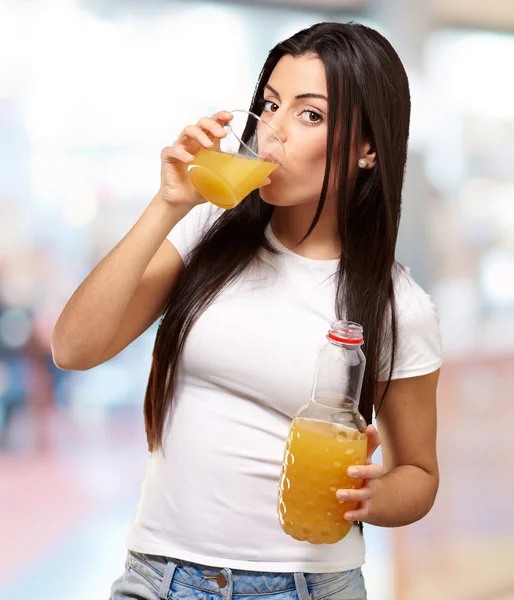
point(349, 346)
point(335, 402)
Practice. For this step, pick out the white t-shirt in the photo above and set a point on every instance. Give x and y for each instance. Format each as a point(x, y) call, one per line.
point(247, 368)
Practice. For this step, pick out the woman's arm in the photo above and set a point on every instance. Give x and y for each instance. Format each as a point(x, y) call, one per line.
point(404, 489)
point(127, 290)
point(123, 295)
point(407, 423)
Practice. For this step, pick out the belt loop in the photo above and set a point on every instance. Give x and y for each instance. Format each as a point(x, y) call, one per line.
point(167, 579)
point(301, 586)
point(228, 590)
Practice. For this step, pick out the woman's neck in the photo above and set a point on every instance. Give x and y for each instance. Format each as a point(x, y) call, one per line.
point(291, 223)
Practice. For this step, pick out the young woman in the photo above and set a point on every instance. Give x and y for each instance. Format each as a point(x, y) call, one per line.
point(246, 297)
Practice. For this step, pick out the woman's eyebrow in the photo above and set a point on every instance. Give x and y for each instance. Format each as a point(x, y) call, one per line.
point(300, 96)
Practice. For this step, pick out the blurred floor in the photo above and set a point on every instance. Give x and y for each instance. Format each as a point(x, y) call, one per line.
point(66, 511)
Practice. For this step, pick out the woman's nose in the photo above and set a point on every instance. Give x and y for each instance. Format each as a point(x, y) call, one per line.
point(272, 136)
point(279, 127)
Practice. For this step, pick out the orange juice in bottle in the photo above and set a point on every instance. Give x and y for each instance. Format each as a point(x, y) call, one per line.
point(325, 438)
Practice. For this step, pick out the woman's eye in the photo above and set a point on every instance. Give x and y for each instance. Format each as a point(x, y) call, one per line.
point(270, 106)
point(313, 118)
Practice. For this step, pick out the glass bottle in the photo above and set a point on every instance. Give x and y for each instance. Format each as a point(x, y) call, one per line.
point(326, 437)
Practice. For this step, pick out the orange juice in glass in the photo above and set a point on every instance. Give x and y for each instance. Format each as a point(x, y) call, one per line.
point(249, 153)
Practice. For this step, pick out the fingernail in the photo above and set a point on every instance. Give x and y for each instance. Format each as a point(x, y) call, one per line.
point(348, 516)
point(353, 471)
point(342, 494)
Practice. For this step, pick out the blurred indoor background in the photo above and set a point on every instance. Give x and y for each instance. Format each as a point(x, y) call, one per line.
point(90, 91)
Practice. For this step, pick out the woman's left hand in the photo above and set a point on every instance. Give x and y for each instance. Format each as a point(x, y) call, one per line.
point(368, 473)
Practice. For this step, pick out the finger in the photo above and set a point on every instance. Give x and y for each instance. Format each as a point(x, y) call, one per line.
point(360, 514)
point(265, 182)
point(178, 153)
point(373, 440)
point(366, 472)
point(223, 116)
point(212, 126)
point(361, 495)
point(167, 153)
point(196, 133)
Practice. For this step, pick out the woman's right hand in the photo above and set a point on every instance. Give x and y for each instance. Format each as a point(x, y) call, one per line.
point(176, 188)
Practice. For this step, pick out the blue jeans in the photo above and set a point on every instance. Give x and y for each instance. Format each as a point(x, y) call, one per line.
point(149, 577)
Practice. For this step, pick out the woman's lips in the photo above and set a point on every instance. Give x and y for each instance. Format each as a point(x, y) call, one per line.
point(270, 157)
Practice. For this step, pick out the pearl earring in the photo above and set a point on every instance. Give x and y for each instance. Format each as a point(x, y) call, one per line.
point(363, 163)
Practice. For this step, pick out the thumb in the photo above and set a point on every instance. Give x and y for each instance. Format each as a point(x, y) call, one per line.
point(373, 440)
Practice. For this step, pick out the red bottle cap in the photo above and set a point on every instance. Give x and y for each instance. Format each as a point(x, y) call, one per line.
point(346, 332)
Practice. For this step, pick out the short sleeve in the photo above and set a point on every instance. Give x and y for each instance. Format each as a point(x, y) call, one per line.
point(187, 233)
point(419, 347)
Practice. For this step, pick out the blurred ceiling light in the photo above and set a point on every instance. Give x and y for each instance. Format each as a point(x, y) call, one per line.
point(133, 82)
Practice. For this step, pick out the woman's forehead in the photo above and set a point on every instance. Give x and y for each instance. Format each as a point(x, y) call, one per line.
point(299, 75)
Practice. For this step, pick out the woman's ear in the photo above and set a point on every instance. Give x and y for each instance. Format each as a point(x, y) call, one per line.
point(367, 156)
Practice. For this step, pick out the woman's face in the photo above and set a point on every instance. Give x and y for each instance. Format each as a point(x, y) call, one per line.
point(296, 107)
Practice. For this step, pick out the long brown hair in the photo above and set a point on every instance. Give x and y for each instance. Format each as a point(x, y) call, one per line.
point(367, 87)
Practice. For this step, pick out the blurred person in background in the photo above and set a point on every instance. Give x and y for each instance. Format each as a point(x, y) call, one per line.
point(26, 381)
point(13, 392)
point(246, 296)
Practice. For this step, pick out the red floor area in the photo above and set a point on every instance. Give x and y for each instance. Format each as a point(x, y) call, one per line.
point(84, 471)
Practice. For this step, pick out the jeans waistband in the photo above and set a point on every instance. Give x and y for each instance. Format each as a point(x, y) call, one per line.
point(163, 571)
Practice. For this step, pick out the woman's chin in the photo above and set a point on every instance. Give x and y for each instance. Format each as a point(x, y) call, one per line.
point(269, 197)
point(273, 200)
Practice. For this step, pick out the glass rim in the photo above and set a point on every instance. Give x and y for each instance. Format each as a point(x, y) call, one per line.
point(250, 113)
